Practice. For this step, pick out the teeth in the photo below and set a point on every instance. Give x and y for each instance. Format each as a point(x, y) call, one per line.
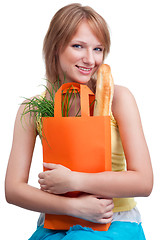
point(85, 69)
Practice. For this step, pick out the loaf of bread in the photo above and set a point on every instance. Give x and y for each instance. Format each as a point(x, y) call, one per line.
point(104, 91)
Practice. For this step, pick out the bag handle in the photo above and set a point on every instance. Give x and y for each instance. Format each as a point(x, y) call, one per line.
point(84, 98)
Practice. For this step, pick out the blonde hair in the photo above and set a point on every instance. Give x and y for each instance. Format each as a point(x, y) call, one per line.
point(61, 29)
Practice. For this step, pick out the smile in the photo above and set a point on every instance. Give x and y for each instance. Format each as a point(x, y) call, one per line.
point(84, 69)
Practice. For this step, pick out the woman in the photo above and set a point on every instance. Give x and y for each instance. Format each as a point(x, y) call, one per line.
point(75, 45)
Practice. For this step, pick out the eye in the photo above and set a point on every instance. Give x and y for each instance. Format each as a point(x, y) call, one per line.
point(99, 49)
point(77, 46)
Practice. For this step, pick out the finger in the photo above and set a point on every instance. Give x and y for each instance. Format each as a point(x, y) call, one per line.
point(41, 181)
point(105, 220)
point(110, 207)
point(41, 175)
point(49, 191)
point(44, 187)
point(50, 165)
point(108, 215)
point(107, 201)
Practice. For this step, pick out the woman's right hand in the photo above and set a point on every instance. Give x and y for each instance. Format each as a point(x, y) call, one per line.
point(94, 208)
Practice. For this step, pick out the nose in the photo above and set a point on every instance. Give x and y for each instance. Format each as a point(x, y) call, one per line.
point(89, 57)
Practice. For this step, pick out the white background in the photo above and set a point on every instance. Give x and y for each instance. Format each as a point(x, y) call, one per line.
point(134, 60)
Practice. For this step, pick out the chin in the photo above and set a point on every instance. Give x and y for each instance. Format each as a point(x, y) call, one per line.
point(82, 81)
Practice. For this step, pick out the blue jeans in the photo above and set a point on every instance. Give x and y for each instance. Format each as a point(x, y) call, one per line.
point(117, 231)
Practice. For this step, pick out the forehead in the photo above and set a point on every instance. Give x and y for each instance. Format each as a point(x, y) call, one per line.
point(84, 33)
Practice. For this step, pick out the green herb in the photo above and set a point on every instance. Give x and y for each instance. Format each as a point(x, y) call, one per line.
point(39, 107)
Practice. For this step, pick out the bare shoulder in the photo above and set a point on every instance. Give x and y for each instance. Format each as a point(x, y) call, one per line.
point(124, 104)
point(24, 104)
point(122, 93)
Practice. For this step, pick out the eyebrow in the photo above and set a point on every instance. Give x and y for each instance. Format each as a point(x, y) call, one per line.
point(81, 42)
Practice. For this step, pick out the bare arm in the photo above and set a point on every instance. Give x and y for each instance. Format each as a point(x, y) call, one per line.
point(138, 179)
point(20, 193)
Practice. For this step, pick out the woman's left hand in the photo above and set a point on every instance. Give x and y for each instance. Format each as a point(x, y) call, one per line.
point(57, 180)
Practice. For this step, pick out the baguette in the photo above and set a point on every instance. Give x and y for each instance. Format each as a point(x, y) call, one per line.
point(104, 91)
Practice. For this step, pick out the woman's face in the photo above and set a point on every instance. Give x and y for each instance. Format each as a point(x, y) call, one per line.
point(81, 57)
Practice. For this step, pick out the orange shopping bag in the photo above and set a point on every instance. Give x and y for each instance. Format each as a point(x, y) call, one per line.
point(82, 144)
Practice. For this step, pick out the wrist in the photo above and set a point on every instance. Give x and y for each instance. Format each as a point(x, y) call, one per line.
point(75, 181)
point(72, 206)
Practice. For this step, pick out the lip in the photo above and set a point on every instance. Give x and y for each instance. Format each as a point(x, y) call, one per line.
point(84, 70)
